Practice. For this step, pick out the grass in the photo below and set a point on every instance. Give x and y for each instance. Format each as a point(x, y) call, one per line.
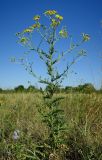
point(19, 111)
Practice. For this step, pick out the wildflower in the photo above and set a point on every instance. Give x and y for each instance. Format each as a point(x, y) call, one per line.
point(63, 33)
point(54, 23)
point(36, 25)
point(28, 30)
point(59, 17)
point(23, 40)
point(50, 12)
point(86, 37)
point(36, 18)
point(16, 134)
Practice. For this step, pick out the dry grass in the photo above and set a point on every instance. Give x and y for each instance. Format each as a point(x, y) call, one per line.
point(83, 114)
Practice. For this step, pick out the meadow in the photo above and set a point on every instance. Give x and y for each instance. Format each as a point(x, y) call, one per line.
point(22, 130)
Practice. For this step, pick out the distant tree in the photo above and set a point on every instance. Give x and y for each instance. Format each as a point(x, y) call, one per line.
point(1, 90)
point(85, 88)
point(19, 88)
point(79, 88)
point(31, 88)
point(68, 89)
point(88, 88)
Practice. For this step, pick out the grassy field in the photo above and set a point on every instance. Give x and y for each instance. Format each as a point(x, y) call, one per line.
point(19, 112)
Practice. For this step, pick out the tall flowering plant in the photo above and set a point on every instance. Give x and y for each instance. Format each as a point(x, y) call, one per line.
point(51, 34)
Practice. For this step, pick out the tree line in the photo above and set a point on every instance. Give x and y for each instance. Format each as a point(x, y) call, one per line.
point(85, 88)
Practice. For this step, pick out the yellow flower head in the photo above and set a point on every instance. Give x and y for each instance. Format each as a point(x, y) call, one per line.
point(36, 25)
point(59, 17)
point(54, 23)
point(23, 40)
point(50, 12)
point(28, 30)
point(63, 33)
point(86, 37)
point(36, 18)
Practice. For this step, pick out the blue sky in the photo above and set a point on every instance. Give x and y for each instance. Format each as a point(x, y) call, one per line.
point(79, 16)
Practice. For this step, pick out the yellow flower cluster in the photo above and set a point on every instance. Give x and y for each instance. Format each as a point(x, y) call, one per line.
point(59, 17)
point(28, 30)
point(23, 40)
point(54, 23)
point(50, 12)
point(36, 18)
point(31, 28)
point(56, 19)
point(63, 33)
point(36, 25)
point(86, 37)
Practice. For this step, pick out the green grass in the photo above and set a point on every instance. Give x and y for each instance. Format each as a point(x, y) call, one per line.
point(83, 114)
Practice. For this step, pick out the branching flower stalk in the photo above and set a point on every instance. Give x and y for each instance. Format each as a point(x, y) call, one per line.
point(54, 114)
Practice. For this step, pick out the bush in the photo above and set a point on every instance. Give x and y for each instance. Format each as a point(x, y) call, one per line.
point(20, 88)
